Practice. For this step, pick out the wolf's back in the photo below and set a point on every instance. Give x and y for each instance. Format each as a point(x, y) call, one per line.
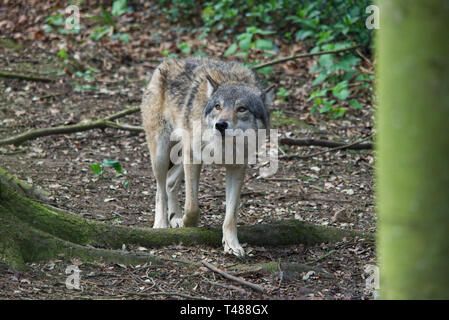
point(178, 87)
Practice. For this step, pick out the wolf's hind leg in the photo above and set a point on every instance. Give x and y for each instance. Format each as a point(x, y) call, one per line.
point(160, 160)
point(174, 180)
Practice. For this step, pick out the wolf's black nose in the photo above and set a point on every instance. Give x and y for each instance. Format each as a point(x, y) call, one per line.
point(221, 126)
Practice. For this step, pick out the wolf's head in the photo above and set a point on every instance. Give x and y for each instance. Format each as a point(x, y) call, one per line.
point(237, 107)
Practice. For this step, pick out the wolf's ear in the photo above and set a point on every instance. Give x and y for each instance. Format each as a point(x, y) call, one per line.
point(211, 86)
point(268, 95)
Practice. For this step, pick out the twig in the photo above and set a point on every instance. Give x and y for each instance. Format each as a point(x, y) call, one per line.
point(347, 146)
point(368, 61)
point(230, 287)
point(170, 293)
point(13, 75)
point(303, 55)
point(322, 257)
point(253, 286)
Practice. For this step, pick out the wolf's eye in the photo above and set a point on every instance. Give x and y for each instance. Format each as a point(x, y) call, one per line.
point(241, 109)
point(217, 106)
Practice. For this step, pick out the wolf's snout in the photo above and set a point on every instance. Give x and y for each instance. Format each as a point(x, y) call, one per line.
point(221, 126)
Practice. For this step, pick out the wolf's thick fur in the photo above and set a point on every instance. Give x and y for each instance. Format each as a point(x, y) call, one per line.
point(216, 95)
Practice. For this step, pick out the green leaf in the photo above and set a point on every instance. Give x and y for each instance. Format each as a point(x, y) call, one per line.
point(100, 32)
point(266, 70)
point(303, 34)
point(113, 163)
point(118, 8)
point(325, 108)
point(56, 20)
point(241, 54)
point(321, 77)
point(184, 47)
point(342, 94)
point(96, 169)
point(245, 42)
point(355, 104)
point(338, 112)
point(264, 44)
point(107, 17)
point(63, 54)
point(232, 48)
point(326, 60)
point(199, 53)
point(265, 32)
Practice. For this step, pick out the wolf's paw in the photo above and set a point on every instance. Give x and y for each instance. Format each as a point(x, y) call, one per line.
point(190, 221)
point(160, 225)
point(235, 249)
point(176, 222)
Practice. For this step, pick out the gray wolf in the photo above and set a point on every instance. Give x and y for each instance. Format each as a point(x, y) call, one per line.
point(182, 95)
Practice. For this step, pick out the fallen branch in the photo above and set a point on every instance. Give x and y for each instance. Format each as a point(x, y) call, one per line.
point(101, 123)
point(325, 143)
point(108, 122)
point(29, 77)
point(303, 55)
point(253, 286)
point(355, 145)
point(292, 269)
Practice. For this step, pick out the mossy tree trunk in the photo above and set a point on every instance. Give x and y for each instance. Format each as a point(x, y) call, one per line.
point(30, 231)
point(413, 149)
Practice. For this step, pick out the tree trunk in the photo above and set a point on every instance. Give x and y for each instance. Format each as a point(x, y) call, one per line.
point(413, 148)
point(30, 231)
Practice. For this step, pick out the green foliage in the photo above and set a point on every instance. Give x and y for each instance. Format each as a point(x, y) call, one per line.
point(178, 10)
point(251, 39)
point(282, 94)
point(323, 24)
point(58, 22)
point(87, 87)
point(63, 54)
point(98, 169)
point(118, 8)
point(184, 47)
point(87, 75)
point(321, 20)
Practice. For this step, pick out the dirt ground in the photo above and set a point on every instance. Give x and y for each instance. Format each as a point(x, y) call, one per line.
point(334, 188)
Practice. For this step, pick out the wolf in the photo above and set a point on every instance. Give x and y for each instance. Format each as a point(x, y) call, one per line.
point(182, 95)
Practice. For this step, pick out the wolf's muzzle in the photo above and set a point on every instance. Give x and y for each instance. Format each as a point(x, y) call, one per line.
point(221, 126)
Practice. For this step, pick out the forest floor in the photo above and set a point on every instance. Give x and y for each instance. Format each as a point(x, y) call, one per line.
point(331, 189)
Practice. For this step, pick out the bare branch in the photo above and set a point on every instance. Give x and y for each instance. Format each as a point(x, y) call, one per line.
point(13, 75)
point(253, 286)
point(303, 55)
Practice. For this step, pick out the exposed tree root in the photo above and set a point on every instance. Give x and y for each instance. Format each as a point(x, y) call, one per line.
point(30, 231)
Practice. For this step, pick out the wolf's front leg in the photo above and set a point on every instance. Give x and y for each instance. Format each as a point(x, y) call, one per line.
point(191, 209)
point(234, 181)
point(174, 178)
